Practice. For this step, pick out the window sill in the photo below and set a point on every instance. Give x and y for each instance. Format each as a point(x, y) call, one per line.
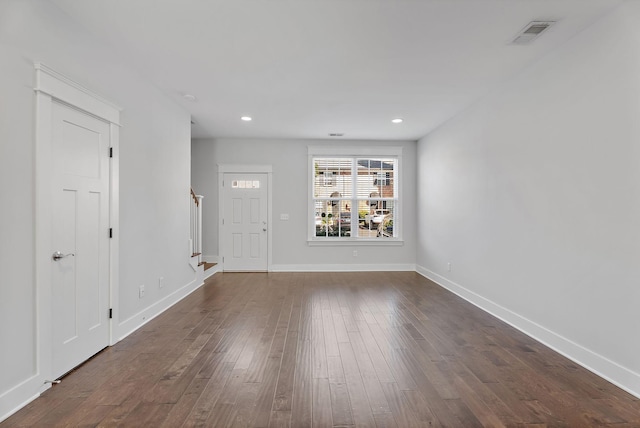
point(342, 242)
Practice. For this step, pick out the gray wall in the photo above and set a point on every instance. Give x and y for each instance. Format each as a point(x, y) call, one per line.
point(154, 180)
point(533, 196)
point(290, 195)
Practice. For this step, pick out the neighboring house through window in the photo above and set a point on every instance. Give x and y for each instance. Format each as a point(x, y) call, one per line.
point(354, 194)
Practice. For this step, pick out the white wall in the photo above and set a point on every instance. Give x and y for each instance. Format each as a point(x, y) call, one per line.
point(290, 195)
point(154, 182)
point(533, 195)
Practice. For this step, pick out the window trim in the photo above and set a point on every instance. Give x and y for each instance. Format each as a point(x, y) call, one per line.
point(354, 152)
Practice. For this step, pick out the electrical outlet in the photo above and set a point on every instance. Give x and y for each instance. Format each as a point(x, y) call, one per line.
point(449, 267)
point(284, 217)
point(355, 253)
point(141, 291)
point(160, 282)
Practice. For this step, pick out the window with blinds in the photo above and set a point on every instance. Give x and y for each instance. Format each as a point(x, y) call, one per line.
point(355, 197)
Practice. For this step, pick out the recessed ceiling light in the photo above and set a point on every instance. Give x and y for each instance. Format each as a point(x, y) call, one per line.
point(397, 120)
point(246, 118)
point(189, 97)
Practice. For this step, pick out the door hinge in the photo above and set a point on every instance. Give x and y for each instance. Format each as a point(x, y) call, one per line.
point(110, 152)
point(110, 232)
point(110, 313)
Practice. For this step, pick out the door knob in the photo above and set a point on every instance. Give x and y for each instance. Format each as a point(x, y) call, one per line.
point(58, 255)
point(264, 229)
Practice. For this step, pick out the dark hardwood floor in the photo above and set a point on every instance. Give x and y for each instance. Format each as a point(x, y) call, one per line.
point(329, 349)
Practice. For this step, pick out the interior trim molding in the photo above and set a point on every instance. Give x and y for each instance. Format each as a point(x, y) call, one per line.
point(53, 88)
point(19, 396)
point(134, 322)
point(60, 87)
point(607, 369)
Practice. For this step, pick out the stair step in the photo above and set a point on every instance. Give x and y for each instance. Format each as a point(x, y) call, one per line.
point(195, 254)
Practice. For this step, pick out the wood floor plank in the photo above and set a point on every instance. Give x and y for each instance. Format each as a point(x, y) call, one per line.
point(321, 396)
point(301, 409)
point(60, 412)
point(280, 419)
point(266, 392)
point(335, 370)
point(400, 409)
point(430, 413)
point(357, 349)
point(210, 394)
point(399, 371)
point(340, 404)
point(284, 388)
point(336, 315)
point(377, 399)
point(377, 358)
point(243, 410)
point(484, 413)
point(329, 330)
point(185, 404)
point(255, 371)
point(360, 407)
point(318, 354)
point(245, 355)
point(385, 420)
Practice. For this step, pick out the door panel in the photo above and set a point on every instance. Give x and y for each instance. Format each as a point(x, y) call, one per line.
point(80, 281)
point(237, 245)
point(79, 152)
point(254, 252)
point(255, 211)
point(237, 210)
point(244, 226)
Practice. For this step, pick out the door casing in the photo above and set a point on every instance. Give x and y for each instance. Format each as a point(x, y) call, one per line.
point(50, 87)
point(245, 169)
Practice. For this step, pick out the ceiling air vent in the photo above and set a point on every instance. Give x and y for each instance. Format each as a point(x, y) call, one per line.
point(336, 134)
point(531, 32)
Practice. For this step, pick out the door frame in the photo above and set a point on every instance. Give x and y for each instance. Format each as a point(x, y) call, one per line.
point(51, 86)
point(244, 169)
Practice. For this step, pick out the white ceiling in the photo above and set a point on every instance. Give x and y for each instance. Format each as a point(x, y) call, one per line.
point(307, 68)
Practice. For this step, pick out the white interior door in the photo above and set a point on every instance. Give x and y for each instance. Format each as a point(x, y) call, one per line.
point(80, 225)
point(244, 223)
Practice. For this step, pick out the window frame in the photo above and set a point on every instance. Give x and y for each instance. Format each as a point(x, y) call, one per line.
point(355, 153)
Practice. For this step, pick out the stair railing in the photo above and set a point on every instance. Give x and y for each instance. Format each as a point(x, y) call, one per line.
point(195, 238)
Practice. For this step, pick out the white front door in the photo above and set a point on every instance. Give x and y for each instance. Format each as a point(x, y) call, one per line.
point(244, 222)
point(80, 225)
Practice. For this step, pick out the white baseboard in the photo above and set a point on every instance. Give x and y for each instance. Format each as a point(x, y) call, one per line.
point(344, 268)
point(618, 375)
point(212, 270)
point(20, 395)
point(128, 326)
